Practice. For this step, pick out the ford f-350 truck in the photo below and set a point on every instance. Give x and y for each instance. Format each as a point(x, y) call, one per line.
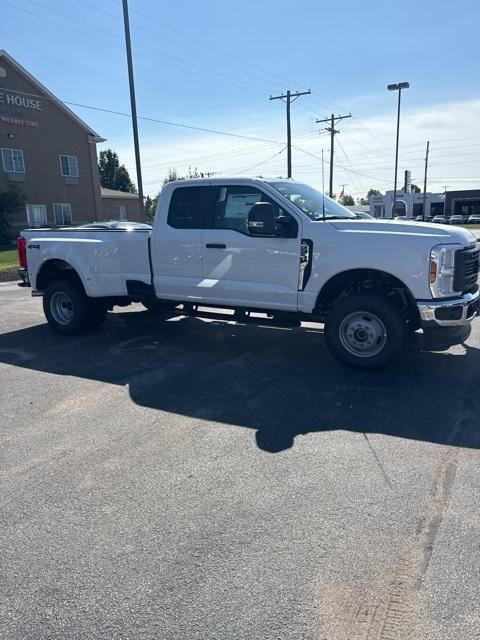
point(273, 246)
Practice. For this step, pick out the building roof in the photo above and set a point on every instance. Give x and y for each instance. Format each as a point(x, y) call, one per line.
point(112, 193)
point(16, 65)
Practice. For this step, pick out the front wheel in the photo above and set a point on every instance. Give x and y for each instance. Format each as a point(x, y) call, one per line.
point(365, 331)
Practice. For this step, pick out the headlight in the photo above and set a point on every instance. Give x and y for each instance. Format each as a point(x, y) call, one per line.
point(442, 269)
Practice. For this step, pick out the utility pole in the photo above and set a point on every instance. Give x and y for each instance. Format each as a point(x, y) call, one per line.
point(425, 181)
point(288, 98)
point(333, 119)
point(133, 105)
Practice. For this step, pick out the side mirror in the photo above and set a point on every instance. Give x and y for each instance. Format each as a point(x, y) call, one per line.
point(261, 221)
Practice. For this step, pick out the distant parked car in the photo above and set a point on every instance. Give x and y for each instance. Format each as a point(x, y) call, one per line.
point(456, 219)
point(364, 215)
point(474, 219)
point(400, 218)
point(440, 219)
point(420, 218)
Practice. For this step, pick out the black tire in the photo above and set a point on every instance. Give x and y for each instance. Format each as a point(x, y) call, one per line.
point(365, 331)
point(69, 311)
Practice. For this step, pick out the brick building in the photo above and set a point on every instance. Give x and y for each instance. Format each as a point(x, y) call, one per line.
point(50, 154)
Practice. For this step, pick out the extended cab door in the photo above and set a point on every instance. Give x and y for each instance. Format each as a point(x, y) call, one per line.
point(176, 246)
point(244, 270)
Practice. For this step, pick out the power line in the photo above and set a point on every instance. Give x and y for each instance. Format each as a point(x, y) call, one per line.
point(215, 158)
point(370, 133)
point(183, 162)
point(260, 163)
point(209, 46)
point(354, 178)
point(149, 119)
point(202, 43)
point(143, 55)
point(173, 42)
point(335, 164)
point(246, 150)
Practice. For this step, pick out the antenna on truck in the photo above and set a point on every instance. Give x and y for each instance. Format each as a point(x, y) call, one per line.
point(323, 189)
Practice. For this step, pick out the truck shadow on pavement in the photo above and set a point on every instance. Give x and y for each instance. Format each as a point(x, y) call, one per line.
point(279, 382)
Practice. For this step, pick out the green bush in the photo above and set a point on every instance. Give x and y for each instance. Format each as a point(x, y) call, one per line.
point(12, 201)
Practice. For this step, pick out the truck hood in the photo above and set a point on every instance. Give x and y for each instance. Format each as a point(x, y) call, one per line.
point(439, 233)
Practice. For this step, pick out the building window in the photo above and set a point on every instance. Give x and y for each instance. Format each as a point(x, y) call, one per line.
point(69, 166)
point(120, 211)
point(62, 213)
point(13, 161)
point(36, 215)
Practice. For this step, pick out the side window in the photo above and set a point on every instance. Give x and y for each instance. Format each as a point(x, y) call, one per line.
point(233, 203)
point(187, 207)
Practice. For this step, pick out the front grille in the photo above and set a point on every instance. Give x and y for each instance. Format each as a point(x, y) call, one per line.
point(467, 265)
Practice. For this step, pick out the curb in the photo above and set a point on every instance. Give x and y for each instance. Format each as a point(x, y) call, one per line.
point(9, 276)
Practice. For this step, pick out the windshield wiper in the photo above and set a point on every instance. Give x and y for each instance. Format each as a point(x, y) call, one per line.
point(330, 217)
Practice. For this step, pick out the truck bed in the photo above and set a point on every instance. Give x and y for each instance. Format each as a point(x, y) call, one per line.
point(105, 258)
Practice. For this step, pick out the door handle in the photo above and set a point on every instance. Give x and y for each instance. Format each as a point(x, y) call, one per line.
point(215, 246)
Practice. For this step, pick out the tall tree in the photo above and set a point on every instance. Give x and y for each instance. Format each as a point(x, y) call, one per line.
point(114, 175)
point(12, 202)
point(171, 176)
point(346, 200)
point(150, 206)
point(373, 192)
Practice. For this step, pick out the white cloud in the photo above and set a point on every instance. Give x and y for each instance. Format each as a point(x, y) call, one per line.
point(369, 144)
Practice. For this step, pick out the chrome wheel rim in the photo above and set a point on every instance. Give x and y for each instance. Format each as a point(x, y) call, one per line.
point(61, 307)
point(363, 334)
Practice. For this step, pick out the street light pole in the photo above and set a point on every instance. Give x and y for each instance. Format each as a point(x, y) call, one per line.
point(397, 87)
point(425, 181)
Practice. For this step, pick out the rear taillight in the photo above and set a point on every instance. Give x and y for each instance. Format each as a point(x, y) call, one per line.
point(22, 252)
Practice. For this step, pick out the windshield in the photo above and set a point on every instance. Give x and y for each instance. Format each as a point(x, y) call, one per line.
point(312, 202)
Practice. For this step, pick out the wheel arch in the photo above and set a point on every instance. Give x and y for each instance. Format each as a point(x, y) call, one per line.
point(54, 269)
point(360, 280)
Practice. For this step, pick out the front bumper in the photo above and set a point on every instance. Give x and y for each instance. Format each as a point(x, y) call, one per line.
point(449, 313)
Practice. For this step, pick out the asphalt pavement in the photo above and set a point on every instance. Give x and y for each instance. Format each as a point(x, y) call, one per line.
point(195, 479)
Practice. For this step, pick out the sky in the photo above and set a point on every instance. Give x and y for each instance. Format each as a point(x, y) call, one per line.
point(214, 65)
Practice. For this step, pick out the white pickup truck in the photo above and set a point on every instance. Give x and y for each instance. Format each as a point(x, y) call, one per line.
point(275, 247)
